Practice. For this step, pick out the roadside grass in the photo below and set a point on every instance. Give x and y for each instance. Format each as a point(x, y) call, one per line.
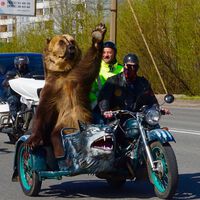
point(180, 97)
point(185, 97)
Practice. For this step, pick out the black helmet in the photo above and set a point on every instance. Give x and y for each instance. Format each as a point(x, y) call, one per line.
point(110, 44)
point(21, 60)
point(131, 58)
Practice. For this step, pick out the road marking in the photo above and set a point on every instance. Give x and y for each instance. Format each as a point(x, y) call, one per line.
point(192, 132)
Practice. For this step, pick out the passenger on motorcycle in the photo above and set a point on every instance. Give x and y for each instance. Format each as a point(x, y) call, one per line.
point(109, 67)
point(20, 70)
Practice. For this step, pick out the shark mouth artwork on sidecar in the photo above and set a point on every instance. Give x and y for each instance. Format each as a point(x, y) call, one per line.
point(104, 143)
point(89, 150)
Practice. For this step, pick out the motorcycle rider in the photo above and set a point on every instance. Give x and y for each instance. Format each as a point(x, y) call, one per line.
point(122, 90)
point(20, 70)
point(109, 67)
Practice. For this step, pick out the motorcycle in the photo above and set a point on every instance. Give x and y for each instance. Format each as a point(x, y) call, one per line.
point(143, 153)
point(28, 89)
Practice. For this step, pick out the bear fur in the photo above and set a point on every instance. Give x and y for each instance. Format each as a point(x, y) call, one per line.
point(64, 99)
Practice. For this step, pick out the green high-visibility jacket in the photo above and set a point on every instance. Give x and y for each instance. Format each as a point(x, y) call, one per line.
point(105, 72)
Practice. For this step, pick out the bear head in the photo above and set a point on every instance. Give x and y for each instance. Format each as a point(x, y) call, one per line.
point(61, 53)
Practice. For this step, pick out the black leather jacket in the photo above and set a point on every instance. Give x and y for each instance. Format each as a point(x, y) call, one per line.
point(11, 75)
point(117, 93)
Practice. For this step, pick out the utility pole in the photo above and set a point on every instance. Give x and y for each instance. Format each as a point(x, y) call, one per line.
point(113, 21)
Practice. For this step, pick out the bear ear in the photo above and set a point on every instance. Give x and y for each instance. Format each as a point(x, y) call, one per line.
point(82, 126)
point(48, 40)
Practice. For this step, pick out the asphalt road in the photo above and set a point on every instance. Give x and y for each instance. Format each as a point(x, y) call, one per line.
point(184, 124)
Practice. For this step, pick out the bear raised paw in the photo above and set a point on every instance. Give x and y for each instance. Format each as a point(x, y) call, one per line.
point(68, 80)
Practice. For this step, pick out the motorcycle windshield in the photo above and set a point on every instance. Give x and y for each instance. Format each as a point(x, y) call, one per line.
point(145, 99)
point(27, 87)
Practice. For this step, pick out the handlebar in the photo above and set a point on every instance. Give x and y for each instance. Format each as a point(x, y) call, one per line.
point(110, 114)
point(122, 112)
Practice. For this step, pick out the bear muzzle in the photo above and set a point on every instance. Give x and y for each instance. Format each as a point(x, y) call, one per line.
point(71, 52)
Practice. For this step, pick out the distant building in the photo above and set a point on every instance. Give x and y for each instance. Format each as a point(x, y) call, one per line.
point(7, 27)
point(45, 12)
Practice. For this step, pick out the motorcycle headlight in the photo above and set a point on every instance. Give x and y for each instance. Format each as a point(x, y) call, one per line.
point(152, 116)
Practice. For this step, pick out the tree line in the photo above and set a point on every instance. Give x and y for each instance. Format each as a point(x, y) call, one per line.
point(171, 29)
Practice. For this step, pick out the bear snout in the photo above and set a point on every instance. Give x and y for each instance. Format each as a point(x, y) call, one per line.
point(71, 51)
point(71, 48)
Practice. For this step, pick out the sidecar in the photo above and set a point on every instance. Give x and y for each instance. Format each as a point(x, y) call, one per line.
point(89, 150)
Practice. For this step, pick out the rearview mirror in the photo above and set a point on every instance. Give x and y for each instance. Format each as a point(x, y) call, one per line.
point(169, 98)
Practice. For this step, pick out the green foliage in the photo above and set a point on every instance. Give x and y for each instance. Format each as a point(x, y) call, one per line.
point(172, 30)
point(75, 20)
point(185, 97)
point(85, 25)
point(32, 39)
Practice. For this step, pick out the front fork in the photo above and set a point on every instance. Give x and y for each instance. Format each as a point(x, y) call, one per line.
point(153, 164)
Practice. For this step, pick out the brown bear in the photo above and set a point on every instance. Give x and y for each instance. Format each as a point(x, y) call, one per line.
point(64, 99)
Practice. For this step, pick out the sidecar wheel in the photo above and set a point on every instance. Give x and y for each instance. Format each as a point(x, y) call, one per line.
point(116, 183)
point(165, 180)
point(28, 178)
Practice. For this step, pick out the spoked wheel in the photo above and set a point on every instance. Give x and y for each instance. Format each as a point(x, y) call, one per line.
point(29, 179)
point(165, 178)
point(116, 183)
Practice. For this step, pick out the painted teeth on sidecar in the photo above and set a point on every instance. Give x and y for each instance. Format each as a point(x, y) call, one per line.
point(104, 138)
point(100, 143)
point(103, 148)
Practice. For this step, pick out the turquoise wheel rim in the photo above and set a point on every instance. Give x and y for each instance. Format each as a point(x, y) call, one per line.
point(25, 168)
point(160, 181)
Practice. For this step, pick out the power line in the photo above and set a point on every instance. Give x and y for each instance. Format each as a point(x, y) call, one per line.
point(147, 46)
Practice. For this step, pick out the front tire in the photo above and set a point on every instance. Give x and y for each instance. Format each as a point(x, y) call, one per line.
point(165, 180)
point(28, 178)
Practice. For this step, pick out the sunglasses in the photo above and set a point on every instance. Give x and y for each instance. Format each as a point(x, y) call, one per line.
point(131, 66)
